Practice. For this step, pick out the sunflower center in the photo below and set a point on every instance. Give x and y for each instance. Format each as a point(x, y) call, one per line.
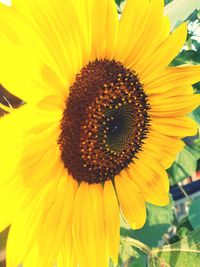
point(104, 123)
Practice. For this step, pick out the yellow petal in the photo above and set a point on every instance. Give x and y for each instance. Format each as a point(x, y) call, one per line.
point(111, 29)
point(173, 106)
point(66, 256)
point(151, 178)
point(43, 27)
point(38, 222)
point(84, 9)
point(31, 259)
point(112, 220)
point(56, 221)
point(53, 20)
point(24, 149)
point(104, 23)
point(157, 168)
point(26, 225)
point(154, 30)
point(13, 195)
point(134, 17)
point(181, 126)
point(89, 236)
point(131, 200)
point(165, 53)
point(174, 92)
point(28, 81)
point(52, 103)
point(25, 180)
point(170, 77)
point(162, 148)
point(100, 20)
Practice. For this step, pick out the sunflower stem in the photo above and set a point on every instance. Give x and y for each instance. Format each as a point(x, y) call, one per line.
point(185, 193)
point(137, 244)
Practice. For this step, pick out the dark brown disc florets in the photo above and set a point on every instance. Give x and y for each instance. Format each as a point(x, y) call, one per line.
point(104, 123)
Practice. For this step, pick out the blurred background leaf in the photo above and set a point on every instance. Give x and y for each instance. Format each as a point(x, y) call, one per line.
point(184, 165)
point(194, 213)
point(185, 253)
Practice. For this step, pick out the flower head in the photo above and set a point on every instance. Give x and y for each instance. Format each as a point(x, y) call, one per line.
point(102, 120)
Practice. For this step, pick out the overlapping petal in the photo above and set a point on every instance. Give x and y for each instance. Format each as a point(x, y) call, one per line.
point(88, 226)
point(131, 200)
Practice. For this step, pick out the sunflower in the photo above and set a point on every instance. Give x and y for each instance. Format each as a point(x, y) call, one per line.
point(102, 120)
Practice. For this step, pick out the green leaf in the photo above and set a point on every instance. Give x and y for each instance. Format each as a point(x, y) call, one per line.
point(183, 253)
point(168, 1)
point(184, 165)
point(158, 221)
point(184, 228)
point(194, 214)
point(187, 57)
point(118, 2)
point(196, 115)
point(141, 261)
point(126, 253)
point(178, 11)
